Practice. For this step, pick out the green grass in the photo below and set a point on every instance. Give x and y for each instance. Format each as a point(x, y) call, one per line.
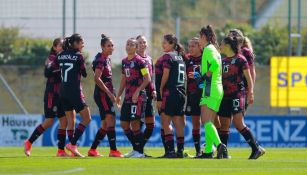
point(42, 161)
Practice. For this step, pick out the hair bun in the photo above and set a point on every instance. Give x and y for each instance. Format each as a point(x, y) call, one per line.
point(103, 36)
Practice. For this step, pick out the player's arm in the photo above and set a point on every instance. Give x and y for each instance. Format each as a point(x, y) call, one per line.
point(121, 89)
point(164, 80)
point(250, 86)
point(101, 85)
point(83, 67)
point(146, 80)
point(51, 67)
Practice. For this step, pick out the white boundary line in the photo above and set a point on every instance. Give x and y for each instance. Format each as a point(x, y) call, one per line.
point(51, 173)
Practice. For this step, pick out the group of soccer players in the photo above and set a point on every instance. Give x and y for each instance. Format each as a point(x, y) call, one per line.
point(214, 91)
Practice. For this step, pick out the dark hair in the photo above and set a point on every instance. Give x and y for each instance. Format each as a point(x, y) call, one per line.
point(56, 42)
point(244, 40)
point(172, 39)
point(69, 41)
point(234, 43)
point(139, 36)
point(210, 35)
point(104, 39)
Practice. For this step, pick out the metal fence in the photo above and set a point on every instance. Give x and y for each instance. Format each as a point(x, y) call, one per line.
point(121, 19)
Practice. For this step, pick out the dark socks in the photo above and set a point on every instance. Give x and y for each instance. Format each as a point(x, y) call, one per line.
point(36, 133)
point(196, 139)
point(138, 141)
point(61, 138)
point(163, 139)
point(112, 138)
point(224, 135)
point(180, 144)
point(78, 133)
point(248, 136)
point(129, 135)
point(101, 133)
point(148, 131)
point(169, 141)
point(70, 134)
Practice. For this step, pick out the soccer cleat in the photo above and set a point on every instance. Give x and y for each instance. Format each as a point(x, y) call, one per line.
point(221, 151)
point(27, 147)
point(74, 150)
point(115, 153)
point(258, 153)
point(147, 156)
point(205, 156)
point(61, 153)
point(93, 153)
point(171, 155)
point(179, 155)
point(137, 155)
point(128, 155)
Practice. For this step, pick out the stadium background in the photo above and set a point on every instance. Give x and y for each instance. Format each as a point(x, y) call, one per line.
point(28, 27)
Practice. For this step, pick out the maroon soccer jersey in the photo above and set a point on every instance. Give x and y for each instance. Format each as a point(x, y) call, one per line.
point(131, 69)
point(192, 65)
point(176, 67)
point(72, 66)
point(248, 54)
point(159, 73)
point(53, 77)
point(104, 64)
point(149, 63)
point(233, 76)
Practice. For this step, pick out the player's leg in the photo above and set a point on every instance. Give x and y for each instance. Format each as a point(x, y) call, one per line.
point(110, 126)
point(101, 133)
point(149, 121)
point(168, 136)
point(196, 133)
point(62, 136)
point(257, 150)
point(162, 133)
point(179, 123)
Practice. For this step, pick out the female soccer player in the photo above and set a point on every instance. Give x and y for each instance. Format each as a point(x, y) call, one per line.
point(72, 66)
point(172, 92)
point(235, 70)
point(104, 96)
point(52, 104)
point(150, 91)
point(212, 91)
point(134, 79)
point(246, 50)
point(193, 92)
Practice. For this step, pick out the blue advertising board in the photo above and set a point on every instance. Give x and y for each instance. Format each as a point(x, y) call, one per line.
point(270, 131)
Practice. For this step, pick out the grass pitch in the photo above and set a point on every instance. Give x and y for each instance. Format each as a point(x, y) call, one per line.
point(42, 161)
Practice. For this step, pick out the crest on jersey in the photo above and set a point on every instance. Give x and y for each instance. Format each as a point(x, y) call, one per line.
point(188, 108)
point(233, 61)
point(54, 109)
point(132, 64)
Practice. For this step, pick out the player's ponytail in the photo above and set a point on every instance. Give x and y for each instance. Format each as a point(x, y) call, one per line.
point(56, 42)
point(69, 41)
point(247, 43)
point(172, 39)
point(210, 35)
point(234, 43)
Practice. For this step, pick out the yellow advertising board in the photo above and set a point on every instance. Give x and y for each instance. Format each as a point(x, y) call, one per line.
point(289, 81)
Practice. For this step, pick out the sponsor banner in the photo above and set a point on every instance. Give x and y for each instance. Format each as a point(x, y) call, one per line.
point(15, 129)
point(288, 82)
point(270, 131)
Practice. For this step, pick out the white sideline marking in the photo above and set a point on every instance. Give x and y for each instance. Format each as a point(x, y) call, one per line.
point(51, 173)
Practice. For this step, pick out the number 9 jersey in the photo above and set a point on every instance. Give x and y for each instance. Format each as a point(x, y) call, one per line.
point(173, 96)
point(72, 66)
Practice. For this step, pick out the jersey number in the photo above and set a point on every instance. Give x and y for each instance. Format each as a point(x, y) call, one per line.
point(68, 66)
point(127, 72)
point(181, 73)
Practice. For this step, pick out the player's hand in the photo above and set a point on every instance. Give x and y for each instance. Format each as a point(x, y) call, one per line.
point(159, 103)
point(112, 97)
point(250, 98)
point(135, 96)
point(191, 75)
point(118, 99)
point(154, 95)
